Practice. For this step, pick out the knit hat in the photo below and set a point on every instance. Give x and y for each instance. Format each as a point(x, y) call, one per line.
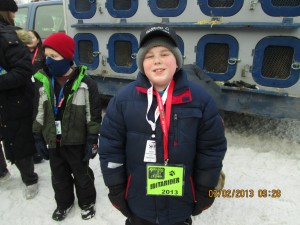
point(62, 43)
point(8, 5)
point(158, 35)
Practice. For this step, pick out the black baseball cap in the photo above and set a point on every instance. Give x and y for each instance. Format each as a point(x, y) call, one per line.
point(158, 29)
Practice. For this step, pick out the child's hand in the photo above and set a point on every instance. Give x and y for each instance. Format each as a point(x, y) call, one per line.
point(91, 147)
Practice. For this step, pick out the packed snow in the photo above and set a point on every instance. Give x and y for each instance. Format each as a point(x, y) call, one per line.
point(263, 154)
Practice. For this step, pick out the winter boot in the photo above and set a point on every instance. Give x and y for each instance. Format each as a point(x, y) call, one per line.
point(4, 176)
point(59, 214)
point(31, 191)
point(88, 211)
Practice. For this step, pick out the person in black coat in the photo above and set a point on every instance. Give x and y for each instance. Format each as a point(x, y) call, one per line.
point(16, 99)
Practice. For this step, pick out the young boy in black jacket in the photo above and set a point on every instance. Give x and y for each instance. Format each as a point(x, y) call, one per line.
point(66, 126)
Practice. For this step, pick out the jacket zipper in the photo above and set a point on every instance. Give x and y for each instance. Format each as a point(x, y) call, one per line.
point(175, 129)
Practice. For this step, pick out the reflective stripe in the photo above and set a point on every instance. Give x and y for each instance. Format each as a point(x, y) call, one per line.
point(112, 165)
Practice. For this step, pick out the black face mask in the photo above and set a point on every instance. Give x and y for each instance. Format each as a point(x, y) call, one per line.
point(58, 68)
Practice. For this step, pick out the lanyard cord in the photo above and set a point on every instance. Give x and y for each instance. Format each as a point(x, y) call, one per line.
point(34, 55)
point(57, 102)
point(156, 113)
point(165, 118)
point(159, 111)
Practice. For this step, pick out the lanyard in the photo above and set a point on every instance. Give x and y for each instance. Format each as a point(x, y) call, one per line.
point(156, 113)
point(34, 56)
point(57, 102)
point(164, 116)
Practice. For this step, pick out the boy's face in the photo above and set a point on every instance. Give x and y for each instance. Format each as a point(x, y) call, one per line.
point(160, 66)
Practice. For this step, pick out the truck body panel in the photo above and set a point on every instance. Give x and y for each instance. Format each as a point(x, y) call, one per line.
point(250, 49)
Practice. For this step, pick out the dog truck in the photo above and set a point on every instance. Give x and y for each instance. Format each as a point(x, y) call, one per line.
point(245, 53)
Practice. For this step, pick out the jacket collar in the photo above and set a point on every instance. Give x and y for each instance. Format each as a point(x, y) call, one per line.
point(181, 93)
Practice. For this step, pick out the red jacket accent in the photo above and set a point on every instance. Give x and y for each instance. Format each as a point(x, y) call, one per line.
point(184, 97)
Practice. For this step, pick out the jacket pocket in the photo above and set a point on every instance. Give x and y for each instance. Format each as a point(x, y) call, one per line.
point(185, 125)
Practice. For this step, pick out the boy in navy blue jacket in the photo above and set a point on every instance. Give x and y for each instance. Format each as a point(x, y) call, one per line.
point(162, 139)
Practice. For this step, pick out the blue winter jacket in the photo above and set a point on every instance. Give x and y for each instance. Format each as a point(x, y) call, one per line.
point(196, 140)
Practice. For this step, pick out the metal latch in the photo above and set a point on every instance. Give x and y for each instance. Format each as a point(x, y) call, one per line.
point(233, 61)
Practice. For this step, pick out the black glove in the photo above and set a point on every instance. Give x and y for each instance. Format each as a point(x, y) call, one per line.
point(40, 146)
point(116, 196)
point(203, 200)
point(91, 147)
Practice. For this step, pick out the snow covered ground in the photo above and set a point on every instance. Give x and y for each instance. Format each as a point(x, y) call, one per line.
point(262, 154)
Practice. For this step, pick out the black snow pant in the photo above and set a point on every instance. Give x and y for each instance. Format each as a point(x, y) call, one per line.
point(134, 220)
point(26, 168)
point(68, 170)
point(24, 165)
